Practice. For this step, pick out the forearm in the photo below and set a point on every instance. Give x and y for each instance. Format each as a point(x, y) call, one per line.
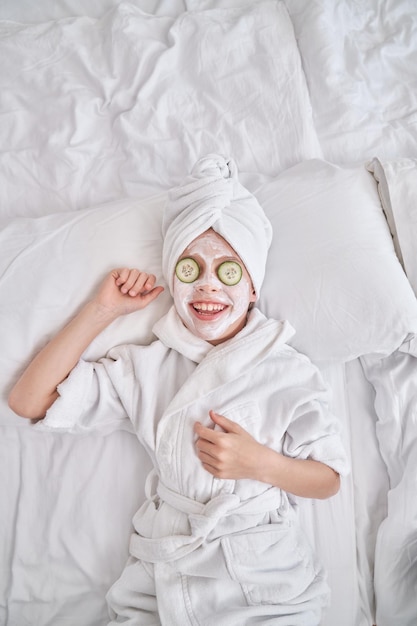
point(35, 391)
point(306, 478)
point(123, 291)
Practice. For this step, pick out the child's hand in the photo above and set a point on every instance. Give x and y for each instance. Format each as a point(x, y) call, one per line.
point(231, 454)
point(235, 454)
point(126, 290)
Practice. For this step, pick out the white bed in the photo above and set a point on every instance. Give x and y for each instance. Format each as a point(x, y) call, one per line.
point(104, 105)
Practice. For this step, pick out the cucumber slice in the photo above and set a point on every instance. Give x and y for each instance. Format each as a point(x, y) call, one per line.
point(229, 272)
point(187, 270)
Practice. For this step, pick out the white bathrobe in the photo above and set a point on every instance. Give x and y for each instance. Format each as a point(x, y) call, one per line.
point(209, 551)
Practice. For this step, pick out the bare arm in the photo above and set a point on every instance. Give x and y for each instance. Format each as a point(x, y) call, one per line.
point(235, 454)
point(123, 291)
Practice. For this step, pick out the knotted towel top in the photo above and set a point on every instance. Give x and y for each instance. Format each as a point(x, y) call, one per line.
point(212, 197)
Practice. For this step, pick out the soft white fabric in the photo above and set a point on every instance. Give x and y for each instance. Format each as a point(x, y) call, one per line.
point(360, 60)
point(26, 11)
point(173, 334)
point(332, 269)
point(369, 473)
point(245, 558)
point(68, 116)
point(212, 197)
point(394, 379)
point(126, 365)
point(397, 185)
point(377, 169)
point(77, 249)
point(256, 380)
point(96, 109)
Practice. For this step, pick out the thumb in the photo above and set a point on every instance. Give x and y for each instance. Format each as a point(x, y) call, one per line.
point(227, 425)
point(152, 295)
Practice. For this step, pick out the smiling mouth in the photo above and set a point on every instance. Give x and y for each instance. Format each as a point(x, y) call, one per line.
point(208, 308)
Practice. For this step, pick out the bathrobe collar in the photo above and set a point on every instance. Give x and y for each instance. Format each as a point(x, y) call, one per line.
point(221, 364)
point(172, 332)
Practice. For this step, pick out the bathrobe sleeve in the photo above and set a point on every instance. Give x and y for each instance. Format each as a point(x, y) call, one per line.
point(91, 398)
point(313, 431)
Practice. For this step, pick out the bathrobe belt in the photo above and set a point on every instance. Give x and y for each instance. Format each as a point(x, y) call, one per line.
point(202, 519)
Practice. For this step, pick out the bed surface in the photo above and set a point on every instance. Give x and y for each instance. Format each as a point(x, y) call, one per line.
point(104, 106)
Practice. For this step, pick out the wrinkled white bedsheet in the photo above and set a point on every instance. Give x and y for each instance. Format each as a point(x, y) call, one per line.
point(72, 104)
point(98, 109)
point(360, 60)
point(394, 379)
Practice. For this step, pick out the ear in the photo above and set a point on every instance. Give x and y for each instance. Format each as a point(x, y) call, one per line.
point(253, 297)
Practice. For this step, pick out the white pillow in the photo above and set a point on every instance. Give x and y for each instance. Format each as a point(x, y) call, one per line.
point(133, 100)
point(332, 270)
point(50, 266)
point(397, 186)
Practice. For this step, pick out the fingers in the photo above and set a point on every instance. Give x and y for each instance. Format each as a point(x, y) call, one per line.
point(216, 451)
point(208, 434)
point(134, 282)
point(214, 436)
point(210, 452)
point(225, 453)
point(227, 425)
point(211, 442)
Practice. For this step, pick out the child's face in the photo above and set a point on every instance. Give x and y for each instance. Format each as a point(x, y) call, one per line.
point(210, 308)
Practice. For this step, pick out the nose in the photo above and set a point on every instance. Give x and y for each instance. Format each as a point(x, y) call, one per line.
point(207, 287)
point(208, 283)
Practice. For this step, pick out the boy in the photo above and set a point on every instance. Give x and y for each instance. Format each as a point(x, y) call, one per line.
point(231, 416)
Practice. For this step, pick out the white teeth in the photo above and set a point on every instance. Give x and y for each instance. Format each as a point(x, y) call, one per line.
point(201, 306)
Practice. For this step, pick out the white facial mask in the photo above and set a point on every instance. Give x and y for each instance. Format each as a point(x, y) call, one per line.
point(210, 309)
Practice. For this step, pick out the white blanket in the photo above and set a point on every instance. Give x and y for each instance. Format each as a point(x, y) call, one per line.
point(360, 61)
point(106, 108)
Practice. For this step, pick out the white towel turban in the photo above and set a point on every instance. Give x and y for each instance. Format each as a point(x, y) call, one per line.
point(212, 197)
